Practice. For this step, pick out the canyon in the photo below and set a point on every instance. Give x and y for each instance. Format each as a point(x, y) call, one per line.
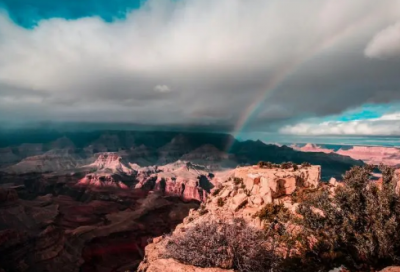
point(241, 200)
point(368, 154)
point(93, 201)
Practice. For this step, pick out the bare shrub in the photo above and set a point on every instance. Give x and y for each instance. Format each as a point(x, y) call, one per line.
point(230, 246)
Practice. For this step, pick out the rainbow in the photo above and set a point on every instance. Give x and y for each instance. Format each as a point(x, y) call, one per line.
point(284, 72)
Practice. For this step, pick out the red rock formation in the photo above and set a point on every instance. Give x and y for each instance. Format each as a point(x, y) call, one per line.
point(101, 180)
point(111, 162)
point(373, 154)
point(268, 184)
point(312, 148)
point(52, 233)
point(240, 199)
point(183, 179)
point(368, 154)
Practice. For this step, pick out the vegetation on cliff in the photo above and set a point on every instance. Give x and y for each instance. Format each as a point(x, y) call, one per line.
point(354, 225)
point(231, 246)
point(359, 226)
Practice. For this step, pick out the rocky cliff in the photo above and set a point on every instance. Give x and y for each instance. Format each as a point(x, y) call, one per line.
point(240, 196)
point(245, 195)
point(59, 233)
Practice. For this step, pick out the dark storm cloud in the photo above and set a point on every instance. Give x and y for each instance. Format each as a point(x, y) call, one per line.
point(203, 63)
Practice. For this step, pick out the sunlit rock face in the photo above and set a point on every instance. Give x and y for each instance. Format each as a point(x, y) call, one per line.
point(312, 148)
point(111, 162)
point(183, 179)
point(373, 154)
point(103, 181)
point(279, 182)
point(241, 195)
point(107, 171)
point(368, 154)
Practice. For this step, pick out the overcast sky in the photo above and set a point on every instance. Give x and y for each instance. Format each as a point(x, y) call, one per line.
point(309, 67)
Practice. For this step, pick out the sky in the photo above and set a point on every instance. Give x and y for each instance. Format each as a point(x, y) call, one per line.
point(260, 67)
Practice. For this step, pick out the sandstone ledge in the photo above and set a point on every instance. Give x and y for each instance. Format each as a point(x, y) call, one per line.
point(242, 195)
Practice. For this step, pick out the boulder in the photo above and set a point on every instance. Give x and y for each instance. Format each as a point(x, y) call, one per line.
point(238, 201)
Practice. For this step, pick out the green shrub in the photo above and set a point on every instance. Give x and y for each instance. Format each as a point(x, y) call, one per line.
point(303, 194)
point(286, 165)
point(203, 212)
point(267, 165)
point(271, 213)
point(216, 192)
point(359, 227)
point(238, 181)
point(220, 202)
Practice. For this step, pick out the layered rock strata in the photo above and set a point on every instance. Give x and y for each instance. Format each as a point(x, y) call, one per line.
point(241, 196)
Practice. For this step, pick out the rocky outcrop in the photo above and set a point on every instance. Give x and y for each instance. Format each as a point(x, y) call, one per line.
point(184, 179)
point(112, 163)
point(280, 181)
point(312, 148)
point(102, 181)
point(241, 196)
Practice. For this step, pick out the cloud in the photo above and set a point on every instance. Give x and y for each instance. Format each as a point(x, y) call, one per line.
point(162, 88)
point(199, 62)
point(385, 44)
point(388, 124)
